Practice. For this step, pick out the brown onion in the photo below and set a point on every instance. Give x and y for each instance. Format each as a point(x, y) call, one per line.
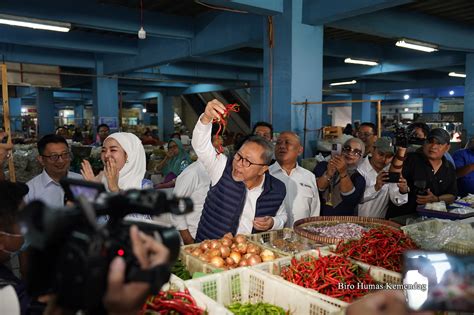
point(228, 235)
point(214, 253)
point(242, 248)
point(243, 263)
point(236, 257)
point(253, 260)
point(233, 246)
point(226, 241)
point(225, 251)
point(267, 255)
point(247, 256)
point(215, 244)
point(196, 252)
point(204, 245)
point(189, 249)
point(217, 262)
point(253, 249)
point(240, 238)
point(204, 257)
point(229, 261)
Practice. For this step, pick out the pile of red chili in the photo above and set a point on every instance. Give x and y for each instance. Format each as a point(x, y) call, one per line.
point(223, 121)
point(382, 247)
point(331, 275)
point(172, 302)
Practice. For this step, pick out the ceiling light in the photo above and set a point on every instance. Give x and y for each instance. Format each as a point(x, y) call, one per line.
point(411, 44)
point(34, 23)
point(457, 75)
point(361, 62)
point(144, 110)
point(343, 83)
point(406, 96)
point(406, 109)
point(451, 92)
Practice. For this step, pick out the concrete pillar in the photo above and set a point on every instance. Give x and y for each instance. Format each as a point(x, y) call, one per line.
point(165, 116)
point(257, 110)
point(46, 111)
point(469, 96)
point(105, 99)
point(15, 114)
point(430, 105)
point(362, 111)
point(296, 74)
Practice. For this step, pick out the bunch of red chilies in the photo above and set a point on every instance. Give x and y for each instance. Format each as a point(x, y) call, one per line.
point(382, 247)
point(326, 274)
point(172, 302)
point(223, 121)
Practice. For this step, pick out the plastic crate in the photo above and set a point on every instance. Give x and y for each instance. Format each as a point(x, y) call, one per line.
point(378, 274)
point(431, 228)
point(247, 285)
point(266, 240)
point(202, 300)
point(194, 264)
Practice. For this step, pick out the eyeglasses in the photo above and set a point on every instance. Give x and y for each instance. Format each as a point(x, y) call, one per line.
point(55, 157)
point(245, 162)
point(364, 134)
point(347, 149)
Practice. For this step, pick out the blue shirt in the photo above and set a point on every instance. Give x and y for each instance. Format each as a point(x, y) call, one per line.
point(463, 158)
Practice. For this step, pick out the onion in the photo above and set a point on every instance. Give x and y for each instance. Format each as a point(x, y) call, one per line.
point(253, 249)
point(243, 263)
point(233, 246)
point(240, 238)
point(253, 260)
point(204, 245)
point(217, 262)
point(229, 261)
point(236, 257)
point(226, 241)
point(267, 255)
point(214, 252)
point(214, 244)
point(242, 248)
point(228, 235)
point(204, 257)
point(225, 251)
point(189, 249)
point(247, 256)
point(196, 252)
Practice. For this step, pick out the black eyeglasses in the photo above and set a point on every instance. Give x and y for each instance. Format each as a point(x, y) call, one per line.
point(245, 162)
point(347, 149)
point(55, 157)
point(364, 134)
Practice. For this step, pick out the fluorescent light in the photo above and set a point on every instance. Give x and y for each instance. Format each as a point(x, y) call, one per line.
point(144, 110)
point(457, 75)
point(406, 96)
point(34, 23)
point(410, 44)
point(406, 109)
point(361, 62)
point(343, 83)
point(451, 92)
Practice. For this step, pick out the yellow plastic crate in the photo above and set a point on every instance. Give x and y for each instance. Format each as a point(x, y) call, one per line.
point(247, 285)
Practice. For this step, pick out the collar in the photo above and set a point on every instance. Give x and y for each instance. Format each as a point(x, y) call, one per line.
point(46, 179)
point(277, 167)
point(427, 162)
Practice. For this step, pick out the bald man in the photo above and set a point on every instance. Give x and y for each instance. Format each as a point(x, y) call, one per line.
point(302, 196)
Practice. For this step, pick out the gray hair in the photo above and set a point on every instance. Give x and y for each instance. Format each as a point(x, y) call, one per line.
point(267, 154)
point(292, 133)
point(360, 142)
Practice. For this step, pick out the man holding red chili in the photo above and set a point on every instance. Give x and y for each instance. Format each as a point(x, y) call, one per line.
point(244, 197)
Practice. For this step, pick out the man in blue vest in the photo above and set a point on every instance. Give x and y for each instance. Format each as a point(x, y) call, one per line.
point(243, 198)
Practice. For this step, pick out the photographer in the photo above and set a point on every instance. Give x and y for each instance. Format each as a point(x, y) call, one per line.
point(430, 177)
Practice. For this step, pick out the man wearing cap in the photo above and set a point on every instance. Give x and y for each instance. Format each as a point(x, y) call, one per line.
point(377, 190)
point(430, 177)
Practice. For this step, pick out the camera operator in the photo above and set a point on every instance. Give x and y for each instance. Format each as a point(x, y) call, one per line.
point(430, 177)
point(122, 297)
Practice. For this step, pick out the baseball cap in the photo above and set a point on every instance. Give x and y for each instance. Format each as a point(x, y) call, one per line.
point(384, 145)
point(441, 135)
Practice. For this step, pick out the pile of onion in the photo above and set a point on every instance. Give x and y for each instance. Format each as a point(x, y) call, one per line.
point(230, 252)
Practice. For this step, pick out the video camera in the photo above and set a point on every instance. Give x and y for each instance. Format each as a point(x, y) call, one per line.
point(407, 136)
point(70, 252)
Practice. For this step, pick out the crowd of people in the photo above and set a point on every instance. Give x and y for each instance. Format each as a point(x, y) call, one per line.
point(261, 186)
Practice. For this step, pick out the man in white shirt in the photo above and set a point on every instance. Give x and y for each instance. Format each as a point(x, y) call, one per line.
point(378, 191)
point(55, 158)
point(302, 196)
point(244, 197)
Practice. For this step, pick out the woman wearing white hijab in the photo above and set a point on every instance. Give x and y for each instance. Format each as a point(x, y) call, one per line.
point(124, 161)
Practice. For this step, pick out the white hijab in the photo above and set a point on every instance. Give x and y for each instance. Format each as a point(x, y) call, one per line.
point(132, 173)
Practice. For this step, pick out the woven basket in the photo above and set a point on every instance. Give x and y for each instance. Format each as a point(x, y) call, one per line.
point(299, 226)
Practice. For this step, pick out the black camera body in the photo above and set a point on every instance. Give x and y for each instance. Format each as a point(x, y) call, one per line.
point(407, 136)
point(70, 252)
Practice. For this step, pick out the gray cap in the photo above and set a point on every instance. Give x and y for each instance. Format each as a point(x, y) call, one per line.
point(441, 135)
point(384, 145)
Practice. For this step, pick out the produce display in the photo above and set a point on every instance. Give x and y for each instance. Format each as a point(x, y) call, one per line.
point(382, 247)
point(255, 309)
point(230, 252)
point(342, 230)
point(172, 302)
point(326, 273)
point(179, 270)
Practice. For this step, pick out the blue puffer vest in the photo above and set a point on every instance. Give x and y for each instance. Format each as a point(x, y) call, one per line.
point(225, 203)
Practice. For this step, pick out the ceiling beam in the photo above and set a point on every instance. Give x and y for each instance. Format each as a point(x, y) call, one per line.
point(397, 24)
point(260, 7)
point(380, 87)
point(320, 12)
point(96, 15)
point(233, 58)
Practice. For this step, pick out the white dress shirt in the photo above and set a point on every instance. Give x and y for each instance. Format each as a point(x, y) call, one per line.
point(193, 183)
point(375, 203)
point(302, 196)
point(215, 164)
point(44, 188)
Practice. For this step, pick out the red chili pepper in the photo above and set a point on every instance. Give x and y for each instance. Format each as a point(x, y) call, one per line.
point(223, 121)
